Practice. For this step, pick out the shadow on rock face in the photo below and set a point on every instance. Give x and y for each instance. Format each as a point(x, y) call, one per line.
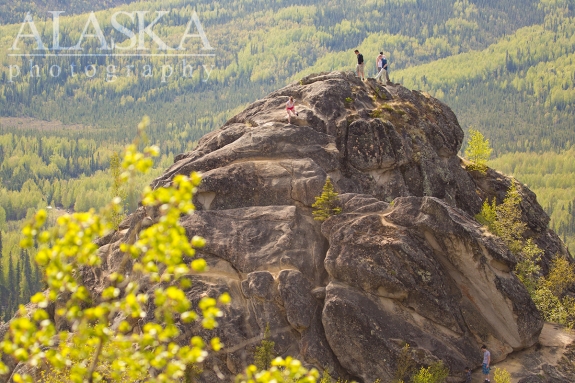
point(425, 273)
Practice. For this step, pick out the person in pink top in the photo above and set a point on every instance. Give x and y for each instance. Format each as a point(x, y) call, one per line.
point(290, 108)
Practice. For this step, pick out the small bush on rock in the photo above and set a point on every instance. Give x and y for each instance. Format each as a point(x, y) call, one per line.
point(405, 365)
point(487, 215)
point(286, 370)
point(326, 377)
point(327, 204)
point(436, 373)
point(478, 150)
point(265, 354)
point(501, 375)
point(550, 297)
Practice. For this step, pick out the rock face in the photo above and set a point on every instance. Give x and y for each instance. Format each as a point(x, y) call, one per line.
point(405, 262)
point(423, 273)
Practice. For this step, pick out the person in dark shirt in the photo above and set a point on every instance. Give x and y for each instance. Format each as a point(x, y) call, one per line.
point(383, 68)
point(467, 375)
point(360, 65)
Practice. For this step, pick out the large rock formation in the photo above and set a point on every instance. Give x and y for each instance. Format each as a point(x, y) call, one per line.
point(405, 262)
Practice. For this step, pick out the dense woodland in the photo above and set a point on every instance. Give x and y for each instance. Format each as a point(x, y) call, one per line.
point(551, 175)
point(14, 11)
point(60, 172)
point(259, 46)
point(505, 67)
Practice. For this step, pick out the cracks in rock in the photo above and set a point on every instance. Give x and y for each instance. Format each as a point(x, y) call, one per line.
point(292, 177)
point(291, 173)
point(344, 159)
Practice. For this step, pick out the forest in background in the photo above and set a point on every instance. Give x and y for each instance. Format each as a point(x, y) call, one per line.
point(505, 67)
point(551, 175)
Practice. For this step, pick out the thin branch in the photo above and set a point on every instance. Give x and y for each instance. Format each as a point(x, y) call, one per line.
point(95, 361)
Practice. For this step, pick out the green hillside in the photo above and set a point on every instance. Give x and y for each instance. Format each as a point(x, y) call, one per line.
point(504, 66)
point(260, 46)
point(14, 11)
point(551, 176)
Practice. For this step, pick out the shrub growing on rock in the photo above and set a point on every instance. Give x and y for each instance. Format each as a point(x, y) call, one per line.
point(405, 365)
point(265, 353)
point(436, 373)
point(548, 293)
point(327, 204)
point(488, 214)
point(478, 151)
point(501, 375)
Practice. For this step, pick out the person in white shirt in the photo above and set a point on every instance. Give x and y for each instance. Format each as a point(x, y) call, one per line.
point(486, 365)
point(378, 62)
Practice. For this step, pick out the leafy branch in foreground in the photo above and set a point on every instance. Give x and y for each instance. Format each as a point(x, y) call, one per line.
point(114, 337)
point(286, 370)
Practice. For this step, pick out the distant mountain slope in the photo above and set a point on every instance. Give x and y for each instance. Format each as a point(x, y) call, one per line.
point(14, 11)
point(259, 45)
point(552, 177)
point(520, 90)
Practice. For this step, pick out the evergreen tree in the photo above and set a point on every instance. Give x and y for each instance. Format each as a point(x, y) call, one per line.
point(478, 150)
point(10, 280)
point(265, 353)
point(527, 269)
point(117, 189)
point(17, 279)
point(327, 204)
point(1, 261)
point(488, 214)
point(509, 225)
point(27, 282)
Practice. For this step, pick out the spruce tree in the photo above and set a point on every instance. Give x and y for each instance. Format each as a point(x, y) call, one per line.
point(10, 280)
point(508, 224)
point(27, 282)
point(17, 280)
point(117, 188)
point(1, 261)
point(264, 353)
point(327, 204)
point(488, 214)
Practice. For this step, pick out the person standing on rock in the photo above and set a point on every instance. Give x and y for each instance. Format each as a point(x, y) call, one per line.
point(378, 62)
point(383, 69)
point(467, 375)
point(485, 367)
point(360, 65)
point(290, 108)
